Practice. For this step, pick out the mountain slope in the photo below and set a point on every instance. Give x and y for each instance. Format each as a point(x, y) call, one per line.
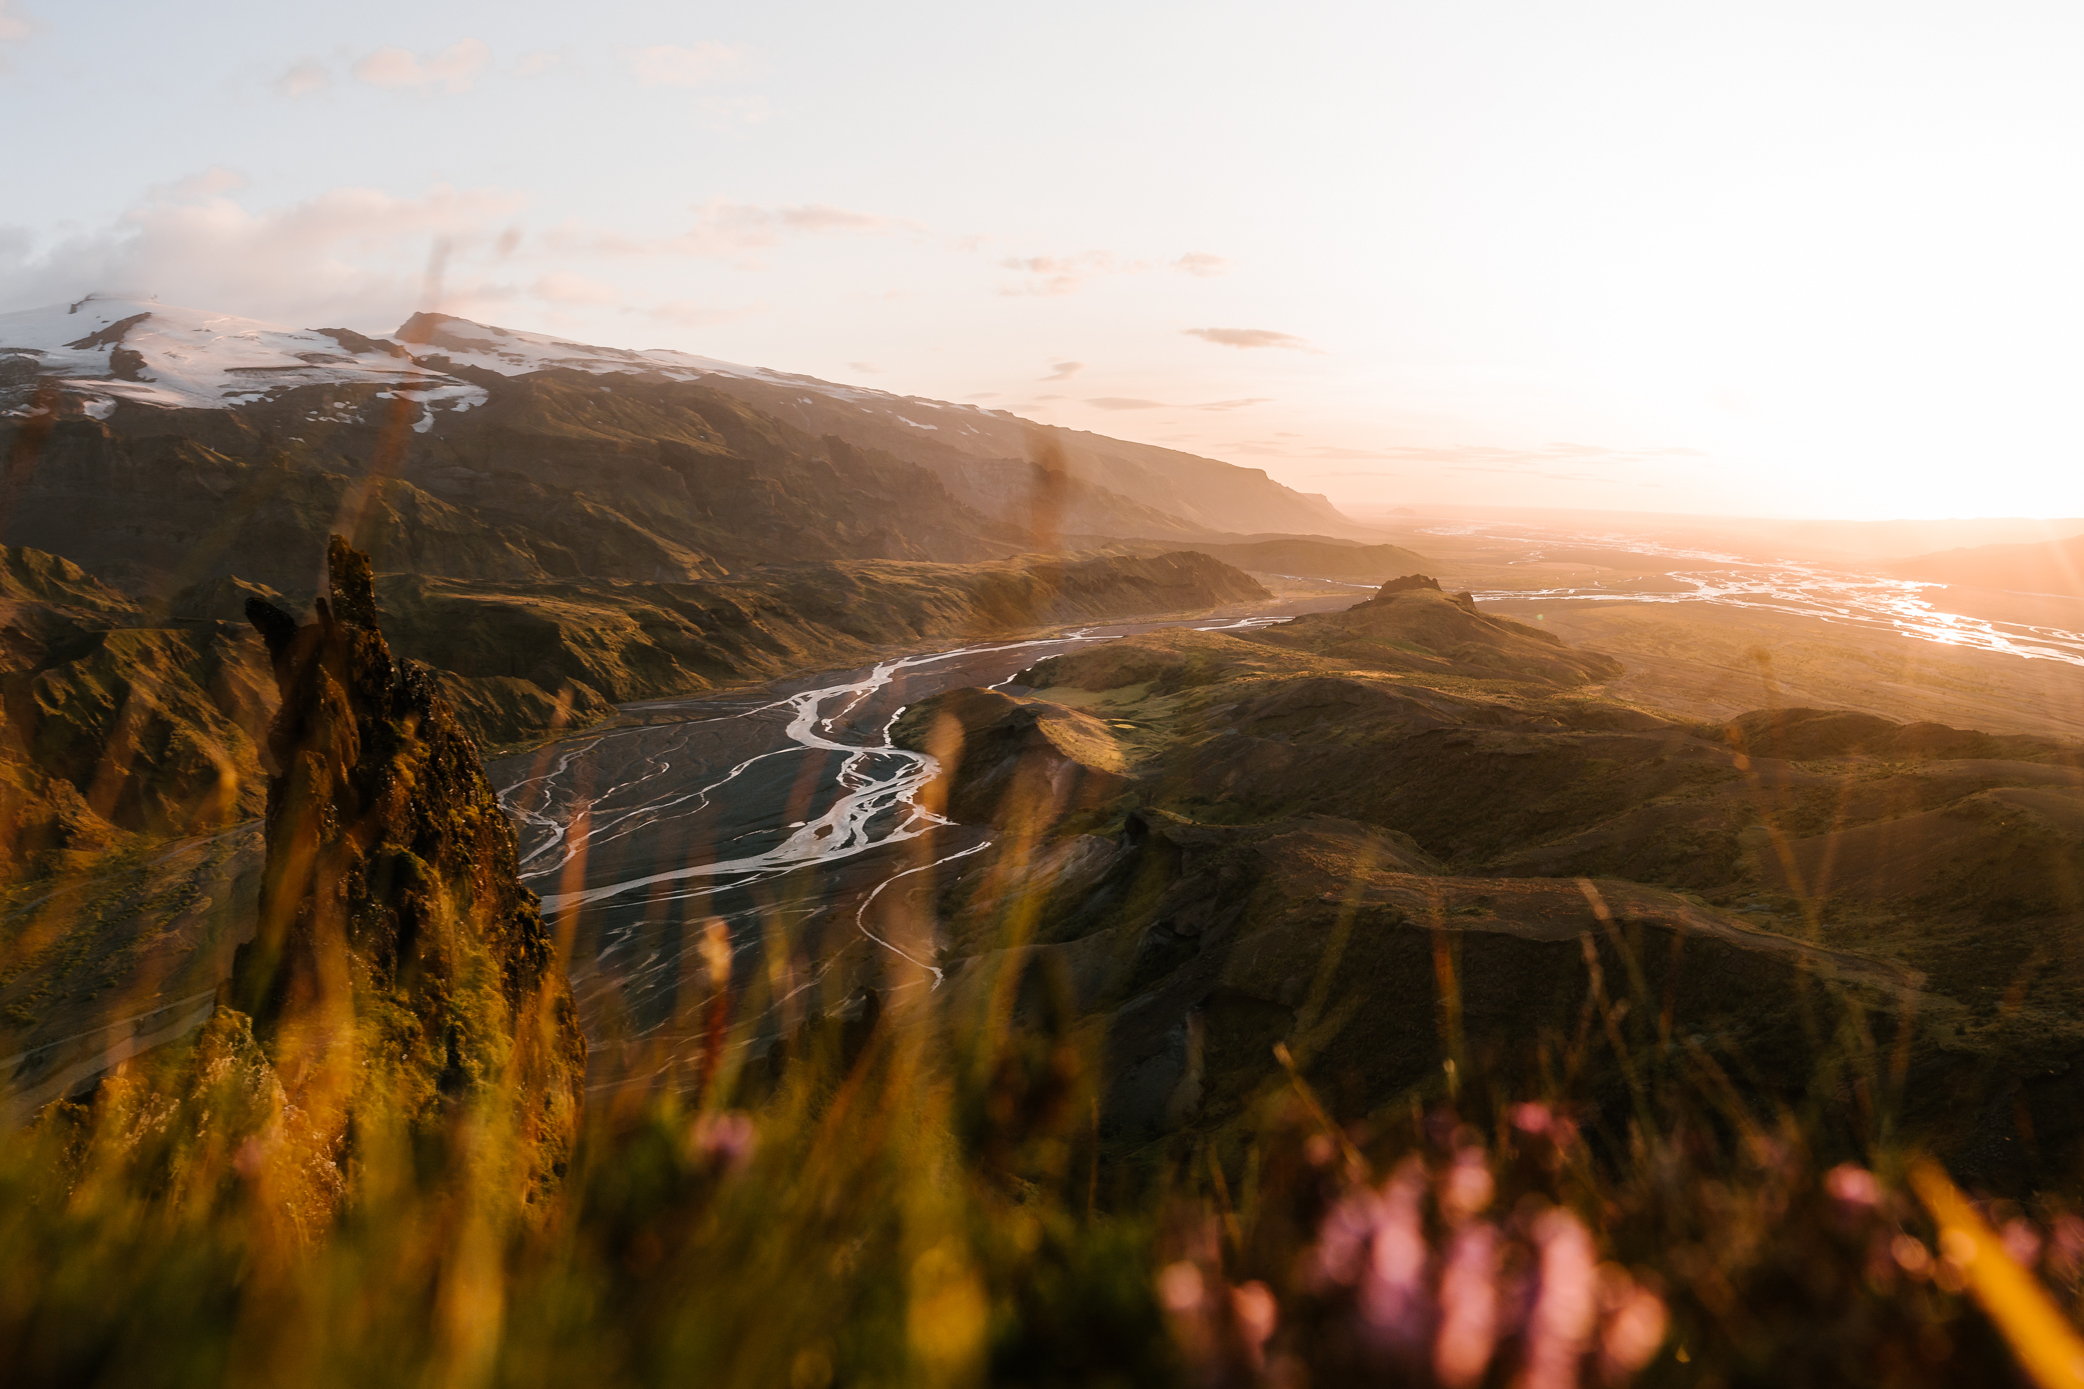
point(154, 442)
point(987, 445)
point(2055, 566)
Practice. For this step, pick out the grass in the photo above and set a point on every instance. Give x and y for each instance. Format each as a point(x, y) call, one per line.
point(920, 1193)
point(928, 1203)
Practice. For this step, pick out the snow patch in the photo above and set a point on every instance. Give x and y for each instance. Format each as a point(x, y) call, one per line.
point(177, 358)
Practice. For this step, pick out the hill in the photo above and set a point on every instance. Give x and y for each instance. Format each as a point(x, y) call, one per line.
point(154, 443)
point(2054, 566)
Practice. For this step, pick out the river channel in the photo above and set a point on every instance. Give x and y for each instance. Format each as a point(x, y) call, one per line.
point(781, 808)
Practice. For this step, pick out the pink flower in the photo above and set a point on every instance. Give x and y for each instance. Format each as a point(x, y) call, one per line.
point(1180, 1288)
point(2066, 1246)
point(1565, 1303)
point(1635, 1325)
point(1468, 1307)
point(1853, 1185)
point(1342, 1240)
point(725, 1141)
point(2022, 1242)
point(1467, 1187)
point(1393, 1297)
point(1253, 1305)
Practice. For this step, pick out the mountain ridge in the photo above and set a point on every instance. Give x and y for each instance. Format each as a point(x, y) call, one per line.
point(104, 359)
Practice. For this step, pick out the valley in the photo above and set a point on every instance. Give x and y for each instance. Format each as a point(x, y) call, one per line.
point(813, 743)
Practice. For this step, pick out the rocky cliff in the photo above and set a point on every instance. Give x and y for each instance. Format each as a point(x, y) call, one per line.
point(400, 980)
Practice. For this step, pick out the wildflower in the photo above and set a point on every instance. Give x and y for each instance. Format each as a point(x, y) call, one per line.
point(724, 1141)
point(1855, 1186)
point(1911, 1255)
point(1634, 1328)
point(2066, 1247)
point(1253, 1307)
point(1467, 1186)
point(1393, 1297)
point(1180, 1287)
point(1342, 1240)
point(1468, 1306)
point(2021, 1241)
point(1560, 1325)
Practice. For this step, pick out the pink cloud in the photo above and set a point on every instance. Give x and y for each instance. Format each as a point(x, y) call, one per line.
point(349, 255)
point(455, 68)
point(1249, 337)
point(305, 78)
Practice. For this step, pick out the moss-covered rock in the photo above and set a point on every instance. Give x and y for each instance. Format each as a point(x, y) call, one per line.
point(401, 980)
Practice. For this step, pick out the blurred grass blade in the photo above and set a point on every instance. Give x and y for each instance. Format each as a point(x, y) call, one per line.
point(2046, 1345)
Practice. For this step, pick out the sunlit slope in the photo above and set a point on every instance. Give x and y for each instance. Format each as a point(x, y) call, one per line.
point(973, 449)
point(118, 722)
point(1432, 828)
point(519, 658)
point(2054, 566)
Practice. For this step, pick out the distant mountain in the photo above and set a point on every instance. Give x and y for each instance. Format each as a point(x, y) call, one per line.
point(161, 447)
point(982, 455)
point(2055, 566)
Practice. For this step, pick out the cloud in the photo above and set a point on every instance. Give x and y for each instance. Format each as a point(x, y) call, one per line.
point(537, 63)
point(455, 68)
point(349, 255)
point(870, 367)
point(15, 28)
point(725, 230)
point(1062, 371)
point(1118, 402)
point(668, 65)
point(1056, 275)
point(1233, 404)
point(306, 77)
point(563, 287)
point(1249, 337)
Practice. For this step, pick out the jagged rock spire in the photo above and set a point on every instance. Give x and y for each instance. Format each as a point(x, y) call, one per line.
point(400, 972)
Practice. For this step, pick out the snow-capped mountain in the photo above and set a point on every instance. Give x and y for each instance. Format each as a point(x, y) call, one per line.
point(106, 349)
point(104, 352)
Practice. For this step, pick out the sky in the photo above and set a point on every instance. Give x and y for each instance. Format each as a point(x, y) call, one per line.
point(1805, 259)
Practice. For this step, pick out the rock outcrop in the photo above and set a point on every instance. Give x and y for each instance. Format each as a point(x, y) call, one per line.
point(1411, 625)
point(401, 980)
point(1007, 761)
